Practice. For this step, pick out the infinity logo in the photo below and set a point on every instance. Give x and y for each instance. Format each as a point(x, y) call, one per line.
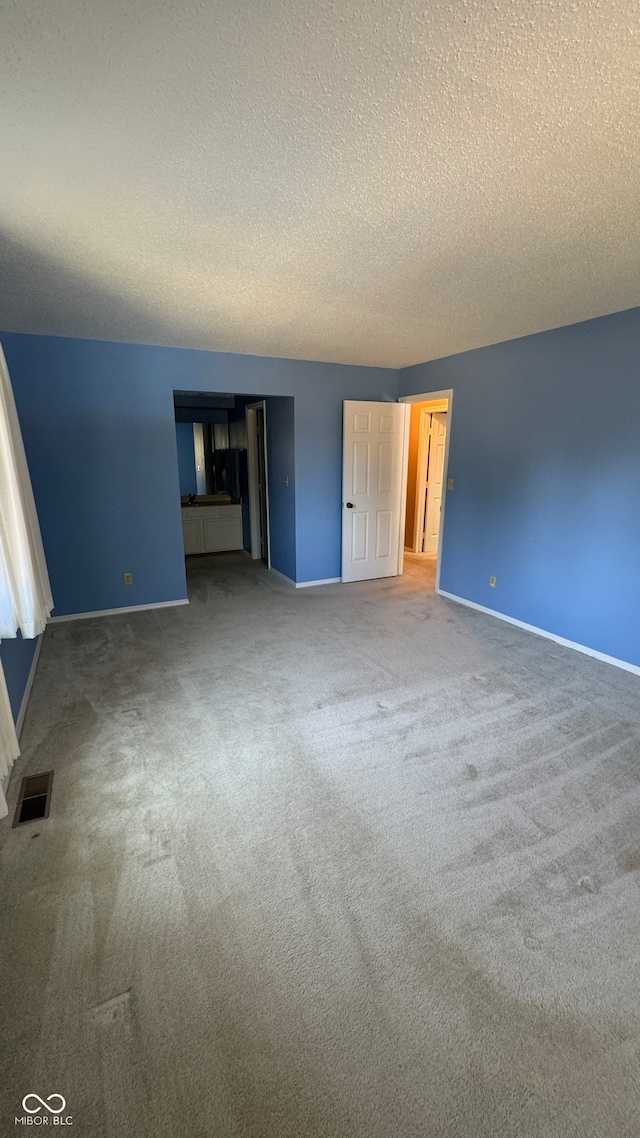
point(51, 1109)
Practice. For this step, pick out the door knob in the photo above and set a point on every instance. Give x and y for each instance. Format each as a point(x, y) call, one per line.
point(349, 505)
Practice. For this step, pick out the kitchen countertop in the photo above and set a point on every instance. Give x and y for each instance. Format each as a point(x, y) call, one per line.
point(209, 500)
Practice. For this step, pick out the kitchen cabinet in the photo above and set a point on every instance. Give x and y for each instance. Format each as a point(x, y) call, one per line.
point(211, 529)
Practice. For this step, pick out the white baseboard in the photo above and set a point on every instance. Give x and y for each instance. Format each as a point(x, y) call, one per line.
point(27, 691)
point(635, 668)
point(282, 576)
point(116, 612)
point(306, 584)
point(325, 581)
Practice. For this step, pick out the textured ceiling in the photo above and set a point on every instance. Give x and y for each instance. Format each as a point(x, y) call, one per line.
point(354, 180)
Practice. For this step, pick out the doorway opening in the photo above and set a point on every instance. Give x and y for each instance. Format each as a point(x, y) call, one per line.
point(427, 461)
point(221, 443)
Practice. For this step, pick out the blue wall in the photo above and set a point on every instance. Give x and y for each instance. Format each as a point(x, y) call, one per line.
point(186, 458)
point(544, 453)
point(17, 657)
point(99, 431)
point(98, 427)
point(545, 456)
point(318, 433)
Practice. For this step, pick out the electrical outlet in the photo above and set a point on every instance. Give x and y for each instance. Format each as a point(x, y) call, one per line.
point(449, 483)
point(127, 578)
point(492, 582)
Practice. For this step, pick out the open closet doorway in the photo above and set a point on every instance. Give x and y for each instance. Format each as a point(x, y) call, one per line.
point(426, 483)
point(258, 481)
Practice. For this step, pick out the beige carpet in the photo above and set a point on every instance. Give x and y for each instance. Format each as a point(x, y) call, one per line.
point(344, 861)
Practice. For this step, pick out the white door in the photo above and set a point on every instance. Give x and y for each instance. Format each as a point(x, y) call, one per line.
point(373, 488)
point(435, 472)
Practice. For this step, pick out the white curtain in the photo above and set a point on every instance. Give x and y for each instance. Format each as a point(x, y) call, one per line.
point(25, 593)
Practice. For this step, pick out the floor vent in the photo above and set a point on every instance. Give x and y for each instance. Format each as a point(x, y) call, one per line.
point(35, 798)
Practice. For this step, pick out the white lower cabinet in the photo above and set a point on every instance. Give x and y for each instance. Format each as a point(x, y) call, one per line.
point(192, 534)
point(211, 529)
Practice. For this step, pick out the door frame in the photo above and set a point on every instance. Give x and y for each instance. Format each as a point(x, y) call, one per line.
point(429, 397)
point(421, 477)
point(435, 405)
point(251, 417)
